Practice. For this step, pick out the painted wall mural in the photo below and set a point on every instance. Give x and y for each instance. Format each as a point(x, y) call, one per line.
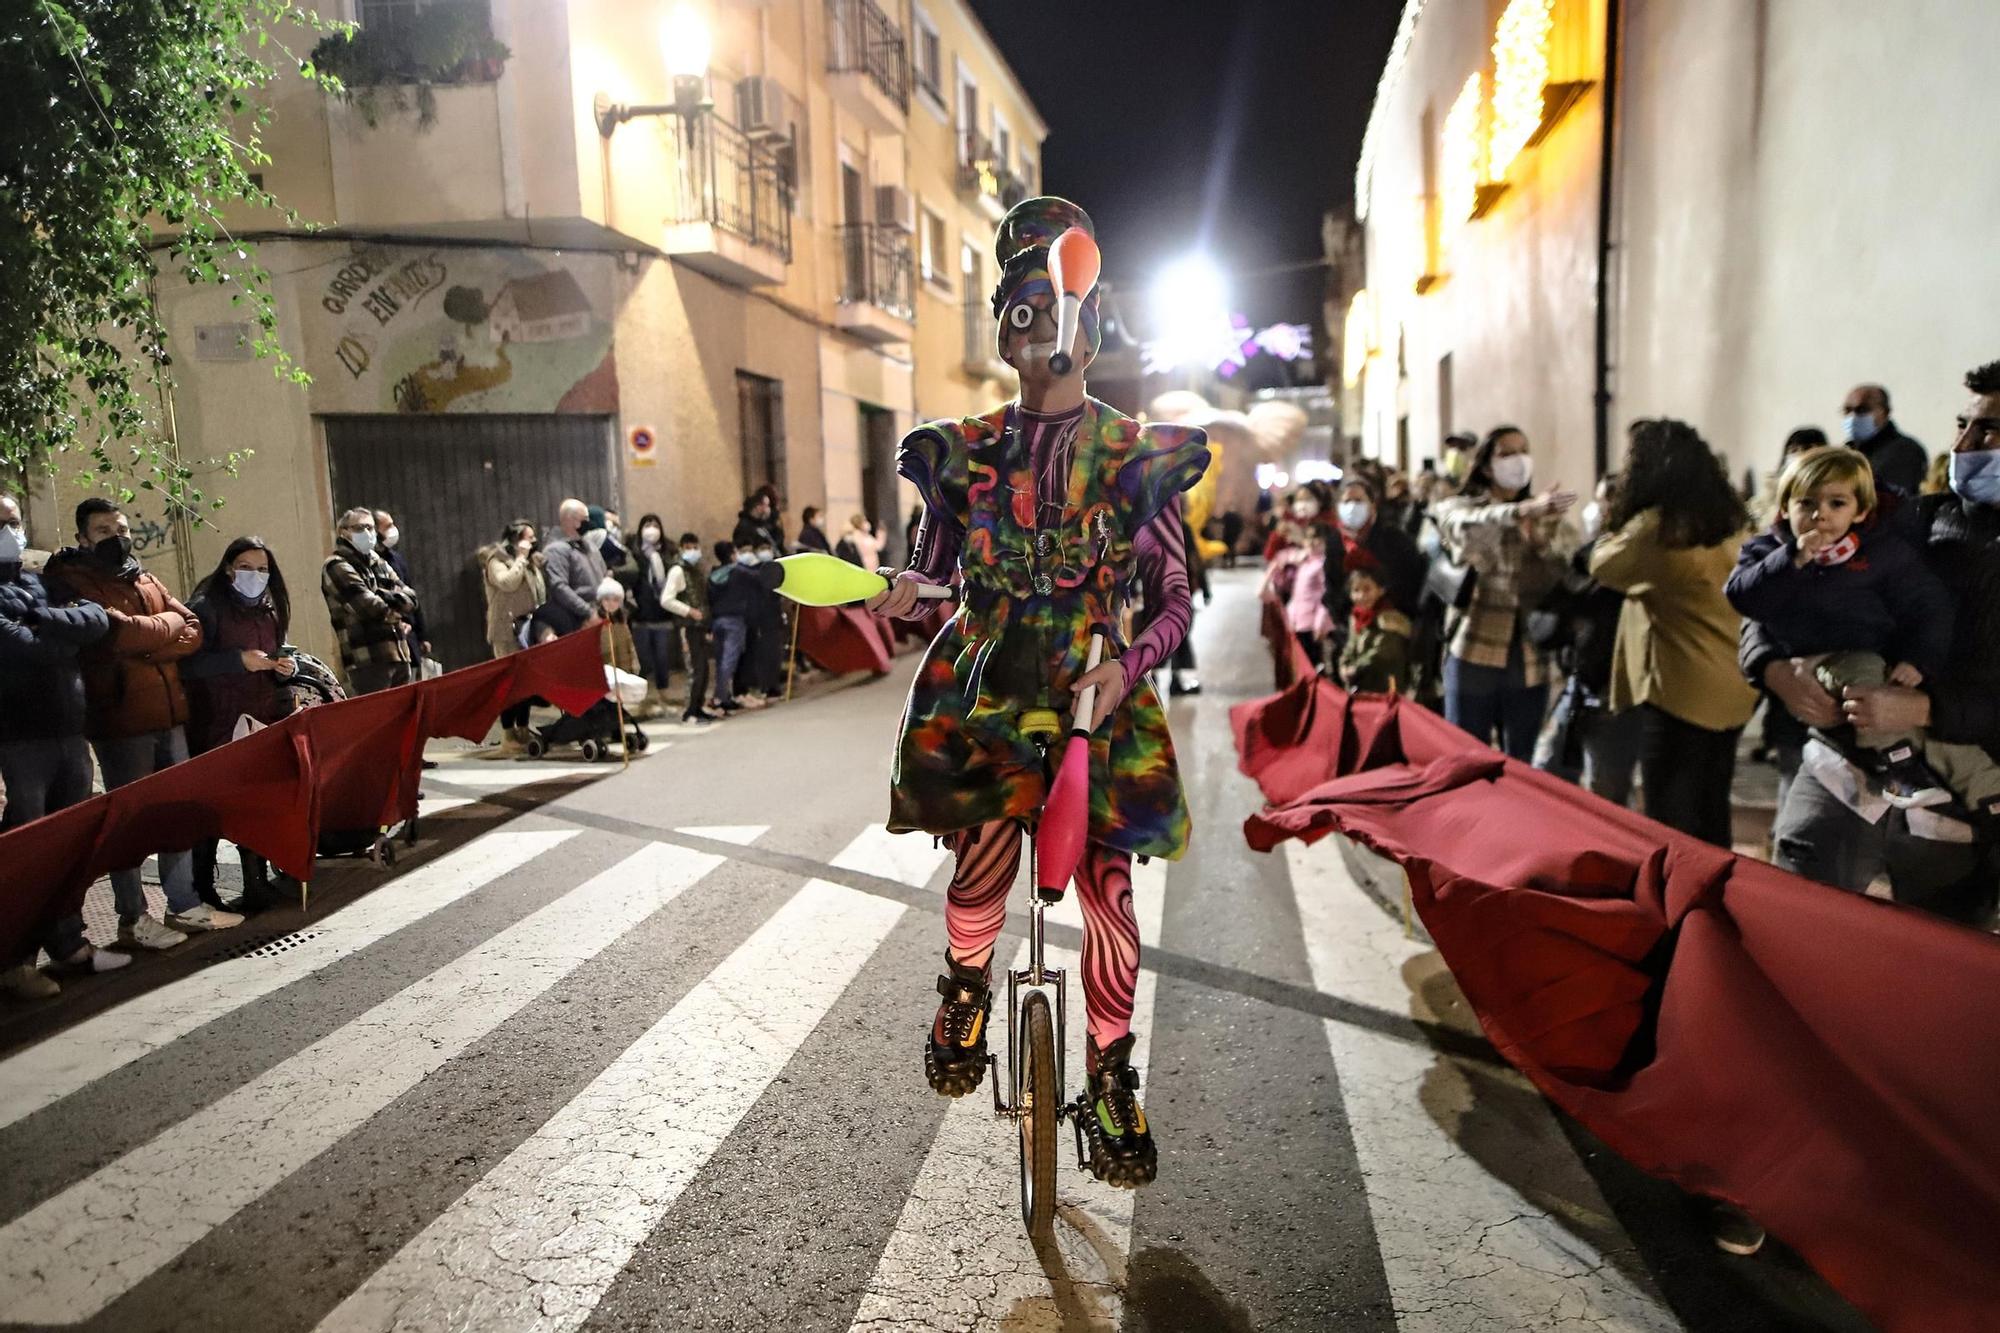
point(411, 329)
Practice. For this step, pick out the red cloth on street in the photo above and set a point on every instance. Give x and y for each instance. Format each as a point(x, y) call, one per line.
point(845, 638)
point(1817, 1057)
point(345, 765)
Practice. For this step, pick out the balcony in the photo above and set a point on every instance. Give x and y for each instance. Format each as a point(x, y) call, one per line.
point(986, 179)
point(878, 282)
point(982, 354)
point(868, 64)
point(730, 209)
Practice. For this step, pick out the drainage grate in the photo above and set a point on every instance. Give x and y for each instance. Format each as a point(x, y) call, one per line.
point(269, 946)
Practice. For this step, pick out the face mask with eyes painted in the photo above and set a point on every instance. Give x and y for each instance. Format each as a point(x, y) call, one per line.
point(1025, 298)
point(1028, 327)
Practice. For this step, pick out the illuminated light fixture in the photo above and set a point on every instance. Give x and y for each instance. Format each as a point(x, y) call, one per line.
point(1392, 72)
point(1462, 159)
point(684, 45)
point(1357, 339)
point(1520, 73)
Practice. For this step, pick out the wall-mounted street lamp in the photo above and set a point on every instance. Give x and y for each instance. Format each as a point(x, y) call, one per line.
point(684, 40)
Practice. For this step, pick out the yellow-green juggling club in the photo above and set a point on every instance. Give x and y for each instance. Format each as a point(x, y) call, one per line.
point(813, 578)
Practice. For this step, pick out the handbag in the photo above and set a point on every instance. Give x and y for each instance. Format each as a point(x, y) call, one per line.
point(1449, 582)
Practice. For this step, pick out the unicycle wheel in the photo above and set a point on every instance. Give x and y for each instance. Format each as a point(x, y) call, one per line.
point(1039, 1099)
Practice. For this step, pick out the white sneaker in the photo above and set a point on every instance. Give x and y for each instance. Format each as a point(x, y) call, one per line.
point(28, 982)
point(92, 961)
point(148, 933)
point(201, 917)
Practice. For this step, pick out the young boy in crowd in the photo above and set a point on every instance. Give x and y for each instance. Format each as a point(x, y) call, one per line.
point(1376, 657)
point(1834, 586)
point(732, 592)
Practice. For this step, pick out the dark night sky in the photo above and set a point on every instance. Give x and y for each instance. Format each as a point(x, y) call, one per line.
point(1230, 125)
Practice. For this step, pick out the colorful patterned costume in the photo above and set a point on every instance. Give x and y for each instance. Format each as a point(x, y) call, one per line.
point(1045, 523)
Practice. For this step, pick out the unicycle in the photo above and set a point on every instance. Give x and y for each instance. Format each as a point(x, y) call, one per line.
point(1036, 1042)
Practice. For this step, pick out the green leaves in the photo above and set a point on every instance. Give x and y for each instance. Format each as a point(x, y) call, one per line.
point(117, 116)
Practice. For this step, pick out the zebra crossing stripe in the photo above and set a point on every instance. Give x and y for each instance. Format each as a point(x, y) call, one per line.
point(67, 1259)
point(55, 1068)
point(989, 1275)
point(907, 858)
point(537, 1242)
point(1461, 1248)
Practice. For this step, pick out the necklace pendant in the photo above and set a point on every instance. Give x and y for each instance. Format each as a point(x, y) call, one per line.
point(1045, 544)
point(1044, 585)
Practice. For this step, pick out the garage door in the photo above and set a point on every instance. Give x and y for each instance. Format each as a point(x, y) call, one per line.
point(453, 482)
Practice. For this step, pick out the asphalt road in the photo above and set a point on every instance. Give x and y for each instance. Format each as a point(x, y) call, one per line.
point(641, 1049)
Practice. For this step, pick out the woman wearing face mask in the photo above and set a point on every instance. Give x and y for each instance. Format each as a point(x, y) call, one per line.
point(1496, 682)
point(1369, 540)
point(645, 580)
point(1307, 508)
point(511, 570)
point(239, 671)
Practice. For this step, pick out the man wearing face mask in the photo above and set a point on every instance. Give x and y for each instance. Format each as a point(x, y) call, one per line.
point(574, 567)
point(1898, 460)
point(137, 708)
point(389, 545)
point(369, 606)
point(1832, 827)
point(44, 766)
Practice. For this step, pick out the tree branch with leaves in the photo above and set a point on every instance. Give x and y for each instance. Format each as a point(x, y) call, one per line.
point(127, 127)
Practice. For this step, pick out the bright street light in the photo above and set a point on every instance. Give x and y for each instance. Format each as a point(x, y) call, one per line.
point(1191, 320)
point(684, 40)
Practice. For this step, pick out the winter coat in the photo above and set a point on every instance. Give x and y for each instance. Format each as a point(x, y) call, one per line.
point(573, 569)
point(419, 633)
point(514, 588)
point(1393, 554)
point(1305, 603)
point(813, 538)
point(1376, 656)
point(131, 676)
point(1898, 461)
point(1884, 600)
point(751, 531)
point(220, 688)
point(1962, 544)
point(732, 591)
point(41, 686)
point(647, 582)
point(370, 608)
point(1677, 632)
point(1587, 616)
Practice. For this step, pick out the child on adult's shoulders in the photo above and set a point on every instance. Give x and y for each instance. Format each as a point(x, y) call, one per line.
point(1840, 587)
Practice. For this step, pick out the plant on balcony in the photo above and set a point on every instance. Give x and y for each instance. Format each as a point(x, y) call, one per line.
point(441, 45)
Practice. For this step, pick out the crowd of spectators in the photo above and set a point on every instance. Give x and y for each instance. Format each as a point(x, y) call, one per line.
point(1625, 641)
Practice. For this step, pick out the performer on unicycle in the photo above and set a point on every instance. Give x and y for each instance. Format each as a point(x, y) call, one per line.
point(1045, 513)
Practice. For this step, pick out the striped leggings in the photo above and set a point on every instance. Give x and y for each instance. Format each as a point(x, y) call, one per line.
point(976, 908)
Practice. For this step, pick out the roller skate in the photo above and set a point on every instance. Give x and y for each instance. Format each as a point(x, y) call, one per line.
point(1121, 1144)
point(955, 1052)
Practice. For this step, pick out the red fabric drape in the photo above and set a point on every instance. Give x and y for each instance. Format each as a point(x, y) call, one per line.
point(1822, 1059)
point(845, 638)
point(346, 765)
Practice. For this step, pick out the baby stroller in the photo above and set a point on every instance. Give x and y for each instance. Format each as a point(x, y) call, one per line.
point(597, 728)
point(311, 684)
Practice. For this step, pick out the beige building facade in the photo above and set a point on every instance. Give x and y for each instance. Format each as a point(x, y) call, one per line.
point(548, 280)
point(1796, 203)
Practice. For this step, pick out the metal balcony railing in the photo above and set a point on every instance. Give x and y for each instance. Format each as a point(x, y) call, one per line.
point(861, 38)
point(732, 182)
point(877, 267)
point(982, 173)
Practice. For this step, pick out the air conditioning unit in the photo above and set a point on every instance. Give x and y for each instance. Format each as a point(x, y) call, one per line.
point(895, 208)
point(764, 110)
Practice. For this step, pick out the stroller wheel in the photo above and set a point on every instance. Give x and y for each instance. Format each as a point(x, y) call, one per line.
point(593, 750)
point(534, 747)
point(637, 741)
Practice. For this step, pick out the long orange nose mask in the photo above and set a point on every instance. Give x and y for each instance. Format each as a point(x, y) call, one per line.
point(1074, 262)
